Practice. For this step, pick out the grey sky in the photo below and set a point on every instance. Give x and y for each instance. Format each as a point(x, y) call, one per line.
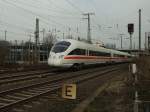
point(18, 18)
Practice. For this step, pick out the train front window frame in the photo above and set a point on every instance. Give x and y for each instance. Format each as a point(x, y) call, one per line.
point(61, 47)
point(63, 43)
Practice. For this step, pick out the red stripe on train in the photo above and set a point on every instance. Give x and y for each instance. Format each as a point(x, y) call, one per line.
point(79, 57)
point(91, 57)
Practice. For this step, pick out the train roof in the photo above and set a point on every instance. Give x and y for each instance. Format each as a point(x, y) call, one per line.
point(89, 46)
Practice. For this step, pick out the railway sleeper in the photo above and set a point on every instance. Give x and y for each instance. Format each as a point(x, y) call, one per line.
point(17, 110)
point(14, 97)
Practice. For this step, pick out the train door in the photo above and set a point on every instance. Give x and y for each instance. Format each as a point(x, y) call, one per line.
point(112, 57)
point(87, 52)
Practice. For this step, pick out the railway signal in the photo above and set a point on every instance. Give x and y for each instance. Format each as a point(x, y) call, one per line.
point(130, 31)
point(131, 28)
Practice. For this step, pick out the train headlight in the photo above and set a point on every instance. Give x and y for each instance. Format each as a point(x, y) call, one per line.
point(61, 56)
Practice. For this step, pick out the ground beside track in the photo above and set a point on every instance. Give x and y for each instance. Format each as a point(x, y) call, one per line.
point(120, 94)
point(54, 103)
point(24, 95)
point(116, 97)
point(143, 84)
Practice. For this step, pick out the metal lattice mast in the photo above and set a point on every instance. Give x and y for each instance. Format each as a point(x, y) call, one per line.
point(89, 26)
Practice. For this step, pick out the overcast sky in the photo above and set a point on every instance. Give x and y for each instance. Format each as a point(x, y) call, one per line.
point(110, 19)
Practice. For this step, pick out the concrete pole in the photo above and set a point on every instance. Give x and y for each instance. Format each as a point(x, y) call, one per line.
point(130, 41)
point(139, 29)
point(30, 49)
point(43, 34)
point(22, 57)
point(89, 29)
point(121, 41)
point(121, 36)
point(136, 102)
point(63, 35)
point(145, 41)
point(5, 35)
point(37, 41)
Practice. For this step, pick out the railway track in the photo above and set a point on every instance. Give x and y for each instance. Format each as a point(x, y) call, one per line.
point(11, 98)
point(7, 79)
point(8, 73)
point(21, 69)
point(17, 77)
point(10, 78)
point(42, 78)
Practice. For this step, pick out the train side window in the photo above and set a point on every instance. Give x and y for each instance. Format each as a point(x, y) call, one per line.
point(117, 55)
point(93, 53)
point(78, 52)
point(97, 53)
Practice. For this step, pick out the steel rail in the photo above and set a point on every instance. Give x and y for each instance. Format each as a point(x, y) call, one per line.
point(75, 79)
point(54, 78)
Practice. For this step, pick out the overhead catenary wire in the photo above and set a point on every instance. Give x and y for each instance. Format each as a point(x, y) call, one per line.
point(43, 17)
point(74, 6)
point(40, 16)
point(45, 8)
point(33, 13)
point(62, 8)
point(16, 26)
point(9, 31)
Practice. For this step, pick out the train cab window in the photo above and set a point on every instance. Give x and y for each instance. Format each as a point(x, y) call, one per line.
point(61, 47)
point(63, 43)
point(78, 52)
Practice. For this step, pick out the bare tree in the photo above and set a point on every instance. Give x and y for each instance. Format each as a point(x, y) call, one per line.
point(29, 52)
point(50, 39)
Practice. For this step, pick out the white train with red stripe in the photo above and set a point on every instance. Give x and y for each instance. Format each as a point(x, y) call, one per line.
point(68, 53)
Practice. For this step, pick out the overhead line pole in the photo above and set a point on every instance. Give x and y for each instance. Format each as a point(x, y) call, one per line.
point(43, 31)
point(89, 26)
point(36, 40)
point(5, 35)
point(139, 29)
point(130, 41)
point(121, 39)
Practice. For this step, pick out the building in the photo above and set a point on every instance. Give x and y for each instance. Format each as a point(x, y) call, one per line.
point(28, 53)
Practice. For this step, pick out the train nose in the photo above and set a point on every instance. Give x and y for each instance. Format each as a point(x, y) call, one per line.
point(54, 60)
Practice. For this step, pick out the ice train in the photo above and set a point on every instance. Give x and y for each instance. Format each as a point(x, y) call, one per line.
point(73, 53)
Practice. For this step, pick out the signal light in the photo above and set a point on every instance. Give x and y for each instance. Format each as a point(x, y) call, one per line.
point(131, 28)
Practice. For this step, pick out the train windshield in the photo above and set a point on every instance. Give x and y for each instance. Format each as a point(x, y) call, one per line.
point(60, 47)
